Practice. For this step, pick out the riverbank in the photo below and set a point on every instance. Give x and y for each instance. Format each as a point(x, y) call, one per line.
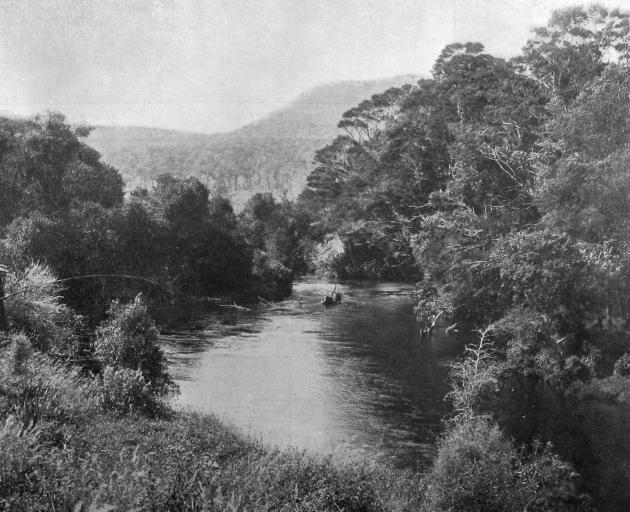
point(181, 462)
point(317, 378)
point(71, 440)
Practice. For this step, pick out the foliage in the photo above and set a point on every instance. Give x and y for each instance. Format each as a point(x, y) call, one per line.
point(325, 255)
point(273, 154)
point(477, 469)
point(66, 208)
point(34, 305)
point(35, 388)
point(124, 390)
point(622, 366)
point(128, 339)
point(274, 279)
point(278, 228)
point(575, 46)
point(58, 448)
point(474, 376)
point(45, 167)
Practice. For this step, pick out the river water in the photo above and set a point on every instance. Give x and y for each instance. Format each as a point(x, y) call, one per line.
point(350, 377)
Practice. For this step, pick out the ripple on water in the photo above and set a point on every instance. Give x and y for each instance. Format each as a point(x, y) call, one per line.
point(348, 377)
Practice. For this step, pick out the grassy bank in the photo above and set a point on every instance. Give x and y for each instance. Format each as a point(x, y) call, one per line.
point(84, 426)
point(76, 442)
point(104, 438)
point(177, 461)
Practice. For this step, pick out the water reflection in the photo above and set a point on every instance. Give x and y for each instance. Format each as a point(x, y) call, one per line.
point(299, 374)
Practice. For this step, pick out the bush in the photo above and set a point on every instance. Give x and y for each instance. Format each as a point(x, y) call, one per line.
point(128, 339)
point(473, 470)
point(124, 390)
point(275, 280)
point(20, 349)
point(35, 388)
point(19, 449)
point(34, 306)
point(477, 469)
point(622, 366)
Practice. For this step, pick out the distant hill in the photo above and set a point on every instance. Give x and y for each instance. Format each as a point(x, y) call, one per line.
point(272, 154)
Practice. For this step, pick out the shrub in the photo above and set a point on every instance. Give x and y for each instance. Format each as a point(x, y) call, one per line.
point(549, 483)
point(34, 388)
point(20, 349)
point(622, 366)
point(124, 390)
point(275, 279)
point(34, 306)
point(128, 339)
point(19, 449)
point(477, 469)
point(473, 470)
point(326, 255)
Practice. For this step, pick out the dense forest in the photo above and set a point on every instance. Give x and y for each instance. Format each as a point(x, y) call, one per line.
point(61, 205)
point(501, 187)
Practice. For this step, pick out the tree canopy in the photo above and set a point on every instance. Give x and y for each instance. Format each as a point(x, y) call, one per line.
point(501, 187)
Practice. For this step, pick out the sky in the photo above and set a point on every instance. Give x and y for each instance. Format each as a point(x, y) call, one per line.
point(215, 65)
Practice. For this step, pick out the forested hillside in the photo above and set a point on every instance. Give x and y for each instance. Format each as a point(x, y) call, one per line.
point(503, 188)
point(62, 207)
point(273, 154)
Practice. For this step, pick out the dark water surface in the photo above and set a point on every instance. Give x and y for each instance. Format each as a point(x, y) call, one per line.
point(354, 376)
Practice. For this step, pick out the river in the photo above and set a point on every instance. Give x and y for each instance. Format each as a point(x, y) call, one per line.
point(350, 377)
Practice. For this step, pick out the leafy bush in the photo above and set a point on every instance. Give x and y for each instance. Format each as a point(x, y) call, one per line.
point(128, 339)
point(19, 449)
point(477, 469)
point(473, 470)
point(20, 349)
point(33, 387)
point(326, 255)
point(124, 390)
point(622, 366)
point(275, 279)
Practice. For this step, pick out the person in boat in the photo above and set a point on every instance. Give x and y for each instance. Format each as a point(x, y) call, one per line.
point(327, 300)
point(331, 300)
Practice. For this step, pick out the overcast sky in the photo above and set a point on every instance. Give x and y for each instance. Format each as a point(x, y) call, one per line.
point(214, 65)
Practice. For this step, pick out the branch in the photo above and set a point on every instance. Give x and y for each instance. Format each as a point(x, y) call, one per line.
point(234, 306)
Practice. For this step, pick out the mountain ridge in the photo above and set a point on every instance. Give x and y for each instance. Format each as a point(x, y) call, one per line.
point(272, 154)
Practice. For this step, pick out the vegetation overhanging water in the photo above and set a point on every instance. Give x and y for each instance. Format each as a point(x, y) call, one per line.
point(355, 376)
point(500, 187)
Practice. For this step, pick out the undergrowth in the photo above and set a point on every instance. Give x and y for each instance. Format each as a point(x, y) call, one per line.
point(73, 442)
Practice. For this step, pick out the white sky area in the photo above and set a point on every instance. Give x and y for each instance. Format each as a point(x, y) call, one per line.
point(215, 65)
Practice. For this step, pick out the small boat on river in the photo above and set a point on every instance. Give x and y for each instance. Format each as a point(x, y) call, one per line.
point(334, 299)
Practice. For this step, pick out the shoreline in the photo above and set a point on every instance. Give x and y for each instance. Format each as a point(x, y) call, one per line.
point(191, 461)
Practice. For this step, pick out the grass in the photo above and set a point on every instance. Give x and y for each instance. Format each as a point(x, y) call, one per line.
point(70, 441)
point(182, 462)
point(59, 450)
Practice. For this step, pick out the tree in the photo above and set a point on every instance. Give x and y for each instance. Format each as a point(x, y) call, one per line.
point(583, 182)
point(45, 167)
point(575, 47)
